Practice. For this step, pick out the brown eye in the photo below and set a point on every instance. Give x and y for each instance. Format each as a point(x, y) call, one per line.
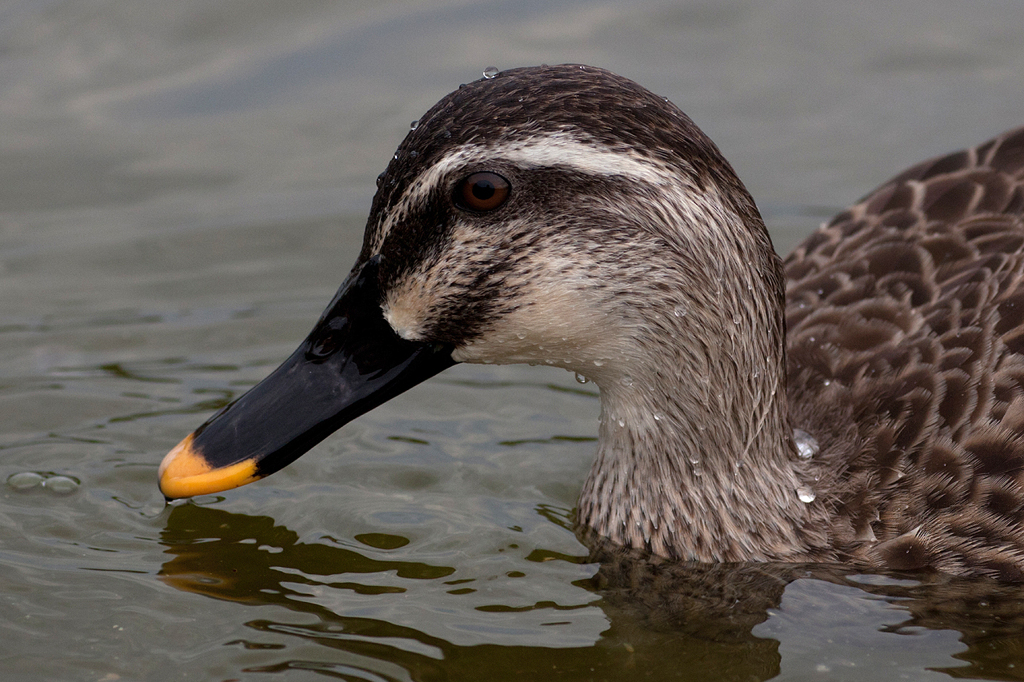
point(482, 192)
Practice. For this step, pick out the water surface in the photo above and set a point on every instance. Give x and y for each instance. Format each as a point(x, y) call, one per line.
point(183, 186)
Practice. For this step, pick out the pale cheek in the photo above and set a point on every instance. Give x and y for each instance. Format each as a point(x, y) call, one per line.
point(404, 323)
point(571, 340)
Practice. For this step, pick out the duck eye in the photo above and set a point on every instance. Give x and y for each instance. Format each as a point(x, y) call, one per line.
point(482, 192)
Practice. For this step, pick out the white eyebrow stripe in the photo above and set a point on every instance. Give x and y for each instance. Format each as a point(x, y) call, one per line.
point(559, 149)
point(590, 157)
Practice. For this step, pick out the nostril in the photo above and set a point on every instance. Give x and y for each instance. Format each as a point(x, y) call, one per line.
point(322, 346)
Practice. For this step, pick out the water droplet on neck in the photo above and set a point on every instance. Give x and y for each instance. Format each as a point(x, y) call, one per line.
point(627, 381)
point(736, 319)
point(413, 154)
point(414, 125)
point(380, 179)
point(680, 311)
point(580, 379)
point(622, 422)
point(520, 336)
point(490, 72)
point(806, 444)
point(805, 494)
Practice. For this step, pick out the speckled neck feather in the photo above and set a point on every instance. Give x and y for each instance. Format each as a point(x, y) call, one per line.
point(629, 252)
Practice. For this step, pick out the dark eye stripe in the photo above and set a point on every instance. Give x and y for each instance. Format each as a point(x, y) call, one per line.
point(482, 192)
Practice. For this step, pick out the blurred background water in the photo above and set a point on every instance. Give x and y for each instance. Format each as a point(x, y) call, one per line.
point(183, 185)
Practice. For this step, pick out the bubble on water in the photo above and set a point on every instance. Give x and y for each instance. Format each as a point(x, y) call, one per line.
point(55, 483)
point(62, 485)
point(805, 494)
point(24, 480)
point(490, 72)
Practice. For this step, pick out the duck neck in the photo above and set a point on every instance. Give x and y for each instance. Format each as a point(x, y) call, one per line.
point(698, 463)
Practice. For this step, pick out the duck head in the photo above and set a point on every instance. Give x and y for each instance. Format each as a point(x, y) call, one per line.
point(558, 215)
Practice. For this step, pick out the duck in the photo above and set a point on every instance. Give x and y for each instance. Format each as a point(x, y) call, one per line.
point(860, 402)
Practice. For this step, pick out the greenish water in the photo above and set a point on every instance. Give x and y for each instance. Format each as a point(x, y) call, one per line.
point(182, 188)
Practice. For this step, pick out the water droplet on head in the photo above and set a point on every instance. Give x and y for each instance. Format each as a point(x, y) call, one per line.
point(414, 125)
point(580, 379)
point(380, 179)
point(490, 72)
point(520, 335)
point(627, 380)
point(413, 154)
point(736, 319)
point(622, 422)
point(805, 494)
point(679, 311)
point(806, 444)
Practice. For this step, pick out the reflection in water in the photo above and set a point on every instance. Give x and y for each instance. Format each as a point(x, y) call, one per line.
point(250, 560)
point(706, 616)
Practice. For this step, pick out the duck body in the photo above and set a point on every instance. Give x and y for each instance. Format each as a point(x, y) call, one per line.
point(906, 360)
point(566, 216)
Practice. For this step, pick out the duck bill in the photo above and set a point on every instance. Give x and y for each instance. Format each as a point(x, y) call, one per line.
point(350, 363)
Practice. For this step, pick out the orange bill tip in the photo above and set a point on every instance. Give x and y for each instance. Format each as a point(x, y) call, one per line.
point(186, 473)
